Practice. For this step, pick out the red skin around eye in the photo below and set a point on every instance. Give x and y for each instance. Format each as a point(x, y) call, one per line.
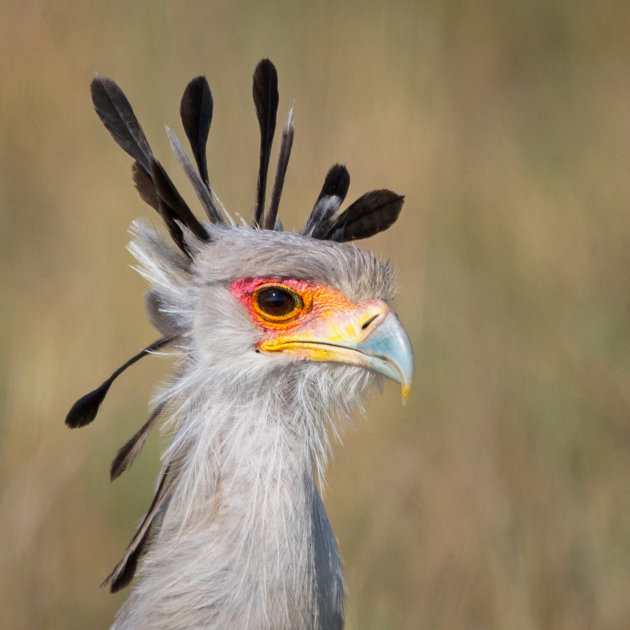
point(318, 301)
point(247, 286)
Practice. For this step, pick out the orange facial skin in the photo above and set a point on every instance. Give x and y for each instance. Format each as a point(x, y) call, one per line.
point(311, 322)
point(319, 305)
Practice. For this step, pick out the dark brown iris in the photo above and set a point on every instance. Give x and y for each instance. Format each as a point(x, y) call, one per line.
point(277, 301)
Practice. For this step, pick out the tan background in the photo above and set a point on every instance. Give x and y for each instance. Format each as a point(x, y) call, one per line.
point(499, 497)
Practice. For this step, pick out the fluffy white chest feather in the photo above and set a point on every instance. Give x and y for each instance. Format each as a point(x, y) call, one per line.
point(245, 541)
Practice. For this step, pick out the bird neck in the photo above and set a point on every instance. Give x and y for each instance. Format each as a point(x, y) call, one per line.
point(245, 541)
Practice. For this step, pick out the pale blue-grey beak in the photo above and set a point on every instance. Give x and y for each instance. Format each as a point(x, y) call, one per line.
point(388, 351)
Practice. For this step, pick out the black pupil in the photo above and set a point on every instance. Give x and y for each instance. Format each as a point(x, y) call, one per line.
point(276, 302)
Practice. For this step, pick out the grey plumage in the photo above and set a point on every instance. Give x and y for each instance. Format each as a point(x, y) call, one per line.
point(237, 535)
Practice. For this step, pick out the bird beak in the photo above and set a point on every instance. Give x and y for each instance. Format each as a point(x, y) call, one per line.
point(371, 337)
point(387, 350)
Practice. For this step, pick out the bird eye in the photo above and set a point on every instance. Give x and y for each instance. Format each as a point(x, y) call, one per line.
point(277, 303)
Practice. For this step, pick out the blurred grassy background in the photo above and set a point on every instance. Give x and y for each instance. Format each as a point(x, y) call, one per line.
point(498, 498)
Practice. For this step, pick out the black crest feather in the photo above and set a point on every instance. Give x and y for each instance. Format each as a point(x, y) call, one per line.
point(331, 196)
point(172, 199)
point(145, 186)
point(174, 230)
point(131, 449)
point(286, 144)
point(336, 183)
point(85, 409)
point(265, 91)
point(201, 188)
point(370, 214)
point(196, 113)
point(124, 571)
point(117, 115)
point(114, 110)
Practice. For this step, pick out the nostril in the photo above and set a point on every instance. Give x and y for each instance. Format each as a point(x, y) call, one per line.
point(368, 322)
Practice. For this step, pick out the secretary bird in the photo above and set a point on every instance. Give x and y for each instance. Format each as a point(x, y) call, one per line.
point(276, 335)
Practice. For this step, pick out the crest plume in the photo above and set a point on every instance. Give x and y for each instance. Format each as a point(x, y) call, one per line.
point(114, 110)
point(131, 449)
point(266, 100)
point(370, 214)
point(331, 196)
point(196, 113)
point(283, 162)
point(85, 409)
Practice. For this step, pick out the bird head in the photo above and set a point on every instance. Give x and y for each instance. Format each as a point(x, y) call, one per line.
point(256, 299)
point(289, 299)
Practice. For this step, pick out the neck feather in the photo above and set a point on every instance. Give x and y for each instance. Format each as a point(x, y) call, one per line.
point(245, 541)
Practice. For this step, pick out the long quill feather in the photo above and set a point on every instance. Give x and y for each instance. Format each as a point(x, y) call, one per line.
point(85, 409)
point(370, 214)
point(265, 91)
point(281, 170)
point(124, 571)
point(128, 453)
point(331, 196)
point(203, 192)
point(117, 115)
point(196, 113)
point(170, 196)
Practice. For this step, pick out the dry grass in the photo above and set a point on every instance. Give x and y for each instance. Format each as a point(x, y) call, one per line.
point(498, 498)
